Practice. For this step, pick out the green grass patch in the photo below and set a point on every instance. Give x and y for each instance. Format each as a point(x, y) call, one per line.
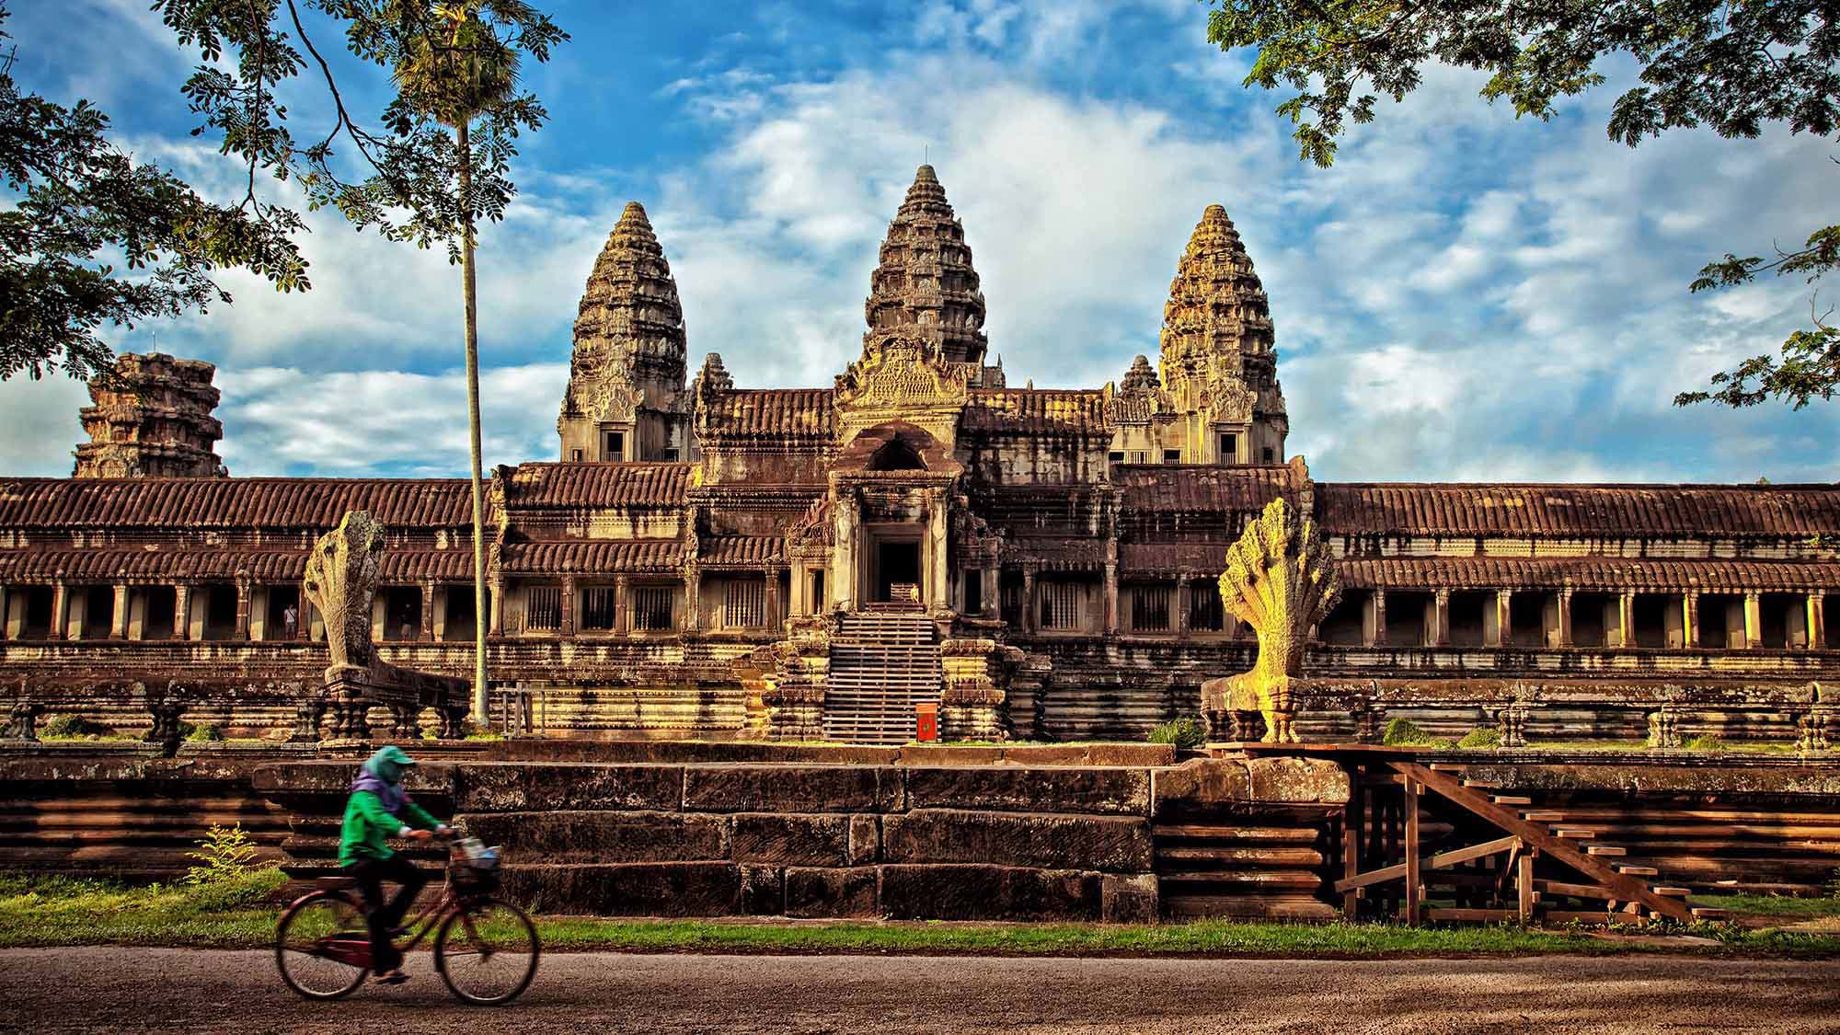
point(1774, 905)
point(48, 911)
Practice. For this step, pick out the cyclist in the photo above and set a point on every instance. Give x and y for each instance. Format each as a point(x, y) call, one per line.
point(378, 809)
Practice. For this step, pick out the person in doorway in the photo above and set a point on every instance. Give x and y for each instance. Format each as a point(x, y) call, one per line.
point(290, 620)
point(377, 810)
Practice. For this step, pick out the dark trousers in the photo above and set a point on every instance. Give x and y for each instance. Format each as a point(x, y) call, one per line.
point(371, 875)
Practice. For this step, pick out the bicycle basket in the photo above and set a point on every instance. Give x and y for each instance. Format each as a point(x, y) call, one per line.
point(475, 867)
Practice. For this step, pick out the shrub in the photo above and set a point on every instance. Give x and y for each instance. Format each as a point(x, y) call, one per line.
point(68, 725)
point(1481, 737)
point(1185, 734)
point(247, 887)
point(1403, 732)
point(224, 854)
point(210, 734)
point(1705, 742)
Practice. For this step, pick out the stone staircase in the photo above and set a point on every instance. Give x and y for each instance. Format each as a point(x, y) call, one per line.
point(883, 663)
point(1267, 867)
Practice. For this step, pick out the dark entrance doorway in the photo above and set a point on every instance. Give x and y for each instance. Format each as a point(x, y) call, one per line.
point(897, 563)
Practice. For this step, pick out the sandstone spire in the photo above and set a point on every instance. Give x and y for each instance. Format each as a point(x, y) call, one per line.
point(151, 419)
point(925, 287)
point(625, 399)
point(1217, 357)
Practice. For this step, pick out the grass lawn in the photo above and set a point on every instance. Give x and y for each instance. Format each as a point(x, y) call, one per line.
point(56, 911)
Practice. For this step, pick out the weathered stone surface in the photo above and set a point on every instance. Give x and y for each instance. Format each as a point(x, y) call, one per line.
point(763, 890)
point(628, 889)
point(940, 754)
point(865, 839)
point(1706, 777)
point(791, 789)
point(530, 786)
point(1019, 839)
point(1114, 791)
point(970, 892)
point(606, 837)
point(153, 419)
point(792, 840)
point(1309, 780)
point(1128, 898)
point(832, 892)
point(1201, 783)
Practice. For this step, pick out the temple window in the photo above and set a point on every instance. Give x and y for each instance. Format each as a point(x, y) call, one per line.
point(98, 612)
point(575, 455)
point(1205, 611)
point(1229, 449)
point(31, 612)
point(613, 445)
point(1467, 614)
point(652, 607)
point(816, 605)
point(400, 610)
point(599, 608)
point(744, 604)
point(543, 608)
point(1526, 620)
point(1721, 621)
point(1649, 614)
point(158, 613)
point(1269, 454)
point(1115, 456)
point(1172, 456)
point(214, 611)
point(1009, 594)
point(1061, 604)
point(1344, 625)
point(1829, 618)
point(972, 581)
point(1411, 618)
point(1783, 620)
point(461, 614)
point(1593, 617)
point(275, 625)
point(1150, 608)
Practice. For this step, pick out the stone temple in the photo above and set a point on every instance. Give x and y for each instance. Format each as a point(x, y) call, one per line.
point(709, 559)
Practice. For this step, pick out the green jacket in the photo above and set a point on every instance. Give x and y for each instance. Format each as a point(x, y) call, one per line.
point(367, 825)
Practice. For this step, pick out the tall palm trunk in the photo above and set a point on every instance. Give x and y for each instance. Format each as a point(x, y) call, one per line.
point(481, 612)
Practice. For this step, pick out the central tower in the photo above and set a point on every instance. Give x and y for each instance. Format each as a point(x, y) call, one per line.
point(924, 287)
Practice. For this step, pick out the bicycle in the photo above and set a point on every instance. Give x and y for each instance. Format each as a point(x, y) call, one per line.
point(485, 948)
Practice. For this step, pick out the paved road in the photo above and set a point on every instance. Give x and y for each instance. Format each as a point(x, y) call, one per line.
point(189, 990)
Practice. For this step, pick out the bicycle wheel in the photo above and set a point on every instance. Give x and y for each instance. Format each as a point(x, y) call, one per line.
point(322, 946)
point(487, 952)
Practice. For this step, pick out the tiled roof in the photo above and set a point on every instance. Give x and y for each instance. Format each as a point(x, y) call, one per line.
point(1587, 573)
point(1169, 558)
point(189, 565)
point(212, 503)
point(597, 485)
point(792, 412)
point(1195, 489)
point(1034, 410)
point(742, 551)
point(592, 556)
point(1577, 510)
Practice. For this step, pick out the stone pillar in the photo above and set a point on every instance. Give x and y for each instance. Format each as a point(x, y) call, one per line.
point(693, 598)
point(992, 604)
point(622, 606)
point(182, 611)
point(1753, 621)
point(1440, 618)
point(60, 609)
point(1497, 630)
point(243, 592)
point(568, 605)
point(1184, 601)
point(1564, 632)
point(1626, 618)
point(1030, 617)
point(1111, 597)
point(1815, 608)
point(934, 578)
point(1673, 624)
point(1373, 619)
point(426, 632)
point(118, 619)
point(6, 615)
point(495, 607)
point(775, 620)
point(1689, 619)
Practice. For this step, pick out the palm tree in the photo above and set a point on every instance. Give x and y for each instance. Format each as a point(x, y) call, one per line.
point(456, 69)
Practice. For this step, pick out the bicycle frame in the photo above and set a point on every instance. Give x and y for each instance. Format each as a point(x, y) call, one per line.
point(356, 951)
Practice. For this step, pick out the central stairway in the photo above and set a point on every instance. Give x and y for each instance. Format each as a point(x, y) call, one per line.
point(882, 664)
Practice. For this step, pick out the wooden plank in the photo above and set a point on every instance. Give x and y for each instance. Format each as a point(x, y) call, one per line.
point(1555, 887)
point(1605, 850)
point(1511, 799)
point(1441, 860)
point(1524, 885)
point(1412, 861)
point(1351, 852)
point(1538, 837)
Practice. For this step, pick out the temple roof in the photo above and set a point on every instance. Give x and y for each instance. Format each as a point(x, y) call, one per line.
point(792, 412)
point(1577, 511)
point(630, 326)
point(1217, 307)
point(593, 556)
point(1167, 488)
point(578, 484)
point(1035, 410)
point(925, 286)
point(1609, 574)
point(225, 503)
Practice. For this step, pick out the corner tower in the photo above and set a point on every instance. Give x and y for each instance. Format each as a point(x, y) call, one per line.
point(151, 418)
point(924, 287)
point(626, 398)
point(1218, 363)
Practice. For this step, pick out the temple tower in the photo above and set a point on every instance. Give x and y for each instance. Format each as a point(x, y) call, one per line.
point(924, 287)
point(626, 397)
point(1218, 364)
point(151, 419)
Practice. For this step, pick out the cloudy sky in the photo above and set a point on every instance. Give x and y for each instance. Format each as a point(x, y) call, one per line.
point(1464, 296)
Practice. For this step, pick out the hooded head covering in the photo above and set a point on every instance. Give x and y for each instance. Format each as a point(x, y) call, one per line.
point(382, 775)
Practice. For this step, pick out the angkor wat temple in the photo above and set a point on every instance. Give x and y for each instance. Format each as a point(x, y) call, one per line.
point(707, 559)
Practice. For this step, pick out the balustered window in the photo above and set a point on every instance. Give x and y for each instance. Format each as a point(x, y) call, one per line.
point(543, 608)
point(744, 604)
point(1206, 613)
point(599, 607)
point(653, 606)
point(1150, 608)
point(1060, 605)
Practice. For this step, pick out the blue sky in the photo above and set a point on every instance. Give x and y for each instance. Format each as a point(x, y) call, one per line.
point(1464, 296)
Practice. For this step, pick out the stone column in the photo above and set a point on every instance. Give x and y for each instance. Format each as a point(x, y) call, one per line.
point(1111, 597)
point(1753, 621)
point(1626, 618)
point(1373, 620)
point(936, 583)
point(182, 611)
point(693, 598)
point(1689, 619)
point(992, 604)
point(243, 589)
point(60, 609)
point(1030, 616)
point(118, 619)
point(1497, 630)
point(426, 633)
point(1440, 618)
point(622, 606)
point(1563, 634)
point(494, 607)
point(775, 620)
point(1184, 601)
point(568, 605)
point(1816, 608)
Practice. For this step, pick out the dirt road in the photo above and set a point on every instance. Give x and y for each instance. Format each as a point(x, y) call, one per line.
point(176, 989)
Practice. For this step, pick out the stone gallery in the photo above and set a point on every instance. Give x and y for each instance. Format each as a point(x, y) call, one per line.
point(711, 560)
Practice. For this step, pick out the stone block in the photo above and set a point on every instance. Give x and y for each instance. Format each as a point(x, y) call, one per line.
point(792, 839)
point(743, 788)
point(627, 889)
point(604, 837)
point(1201, 784)
point(865, 839)
point(832, 892)
point(964, 892)
point(1303, 780)
point(1103, 790)
point(529, 786)
point(763, 890)
point(947, 755)
point(1044, 840)
point(1128, 898)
